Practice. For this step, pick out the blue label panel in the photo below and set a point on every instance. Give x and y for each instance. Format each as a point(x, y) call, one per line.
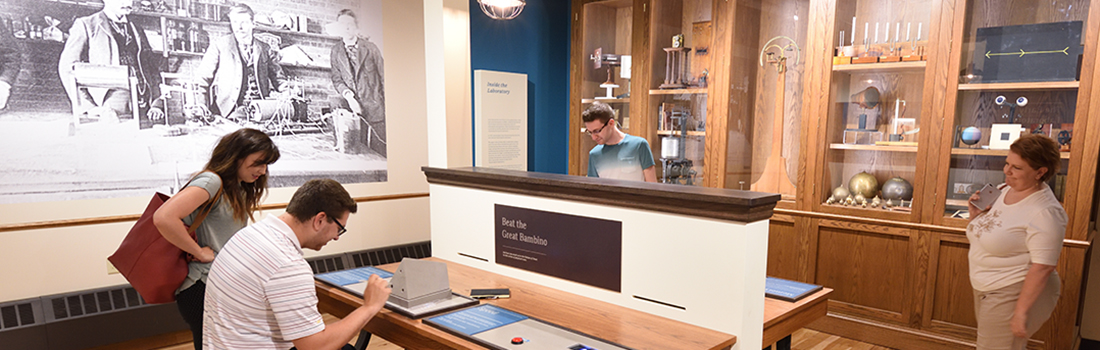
point(787, 288)
point(477, 319)
point(353, 276)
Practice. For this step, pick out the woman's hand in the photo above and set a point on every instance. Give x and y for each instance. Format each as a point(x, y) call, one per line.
point(1019, 325)
point(975, 211)
point(205, 255)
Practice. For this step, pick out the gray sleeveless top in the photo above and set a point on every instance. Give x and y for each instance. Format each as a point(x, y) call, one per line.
point(214, 231)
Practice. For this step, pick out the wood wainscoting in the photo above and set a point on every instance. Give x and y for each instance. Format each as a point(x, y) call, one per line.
point(902, 285)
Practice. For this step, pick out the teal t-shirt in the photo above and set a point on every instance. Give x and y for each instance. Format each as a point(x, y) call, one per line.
point(623, 161)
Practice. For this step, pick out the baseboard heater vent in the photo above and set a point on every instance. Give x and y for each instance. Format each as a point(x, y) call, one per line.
point(22, 313)
point(328, 264)
point(371, 257)
point(87, 303)
point(84, 319)
point(382, 256)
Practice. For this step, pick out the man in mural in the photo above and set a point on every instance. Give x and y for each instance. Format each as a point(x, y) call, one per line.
point(357, 75)
point(106, 38)
point(617, 155)
point(10, 62)
point(238, 68)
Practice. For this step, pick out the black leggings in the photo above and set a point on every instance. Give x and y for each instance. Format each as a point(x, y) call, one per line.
point(190, 302)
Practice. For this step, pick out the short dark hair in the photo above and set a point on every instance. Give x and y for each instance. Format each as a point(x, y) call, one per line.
point(241, 8)
point(347, 12)
point(598, 111)
point(320, 196)
point(1039, 151)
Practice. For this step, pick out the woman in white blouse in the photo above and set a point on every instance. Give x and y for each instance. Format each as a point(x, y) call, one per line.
point(1014, 247)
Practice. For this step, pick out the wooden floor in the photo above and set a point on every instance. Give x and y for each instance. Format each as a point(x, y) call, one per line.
point(802, 339)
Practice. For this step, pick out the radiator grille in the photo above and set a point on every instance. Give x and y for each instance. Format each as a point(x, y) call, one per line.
point(389, 255)
point(22, 313)
point(90, 302)
point(372, 257)
point(327, 264)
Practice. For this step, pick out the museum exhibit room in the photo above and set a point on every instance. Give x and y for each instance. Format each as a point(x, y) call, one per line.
point(549, 174)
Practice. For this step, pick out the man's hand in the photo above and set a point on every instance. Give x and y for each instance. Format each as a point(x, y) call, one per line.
point(156, 114)
point(376, 293)
point(353, 103)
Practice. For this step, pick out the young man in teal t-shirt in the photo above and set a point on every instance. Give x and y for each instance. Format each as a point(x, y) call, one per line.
point(617, 155)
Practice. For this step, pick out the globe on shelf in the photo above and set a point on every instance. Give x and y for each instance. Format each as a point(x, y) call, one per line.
point(897, 188)
point(840, 193)
point(971, 135)
point(863, 184)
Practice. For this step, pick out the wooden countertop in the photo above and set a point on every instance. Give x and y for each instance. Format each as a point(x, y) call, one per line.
point(781, 318)
point(599, 319)
point(744, 206)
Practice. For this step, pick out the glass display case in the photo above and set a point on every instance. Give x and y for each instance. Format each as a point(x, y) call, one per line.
point(876, 105)
point(1019, 73)
point(680, 38)
point(607, 44)
point(764, 121)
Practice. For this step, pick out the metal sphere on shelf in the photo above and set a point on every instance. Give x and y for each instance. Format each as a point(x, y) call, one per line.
point(502, 9)
point(863, 184)
point(971, 135)
point(897, 188)
point(840, 193)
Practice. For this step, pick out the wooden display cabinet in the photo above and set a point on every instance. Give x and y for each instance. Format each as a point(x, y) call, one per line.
point(607, 26)
point(679, 37)
point(758, 144)
point(900, 276)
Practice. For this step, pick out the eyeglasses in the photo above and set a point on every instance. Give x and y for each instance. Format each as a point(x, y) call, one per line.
point(593, 132)
point(342, 228)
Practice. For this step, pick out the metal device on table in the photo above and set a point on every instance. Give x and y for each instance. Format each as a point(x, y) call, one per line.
point(184, 103)
point(676, 168)
point(611, 61)
point(287, 114)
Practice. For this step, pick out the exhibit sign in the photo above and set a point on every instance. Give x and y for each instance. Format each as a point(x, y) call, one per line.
point(500, 120)
point(576, 248)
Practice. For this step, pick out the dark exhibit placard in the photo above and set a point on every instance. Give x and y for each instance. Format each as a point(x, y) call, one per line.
point(580, 249)
point(1030, 52)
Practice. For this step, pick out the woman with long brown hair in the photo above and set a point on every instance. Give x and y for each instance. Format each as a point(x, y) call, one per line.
point(235, 178)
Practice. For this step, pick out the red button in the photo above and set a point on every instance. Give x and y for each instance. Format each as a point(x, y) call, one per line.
point(517, 341)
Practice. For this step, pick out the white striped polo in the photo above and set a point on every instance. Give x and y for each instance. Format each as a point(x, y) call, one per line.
point(260, 292)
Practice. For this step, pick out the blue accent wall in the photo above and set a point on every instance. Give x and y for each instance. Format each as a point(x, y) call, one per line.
point(537, 44)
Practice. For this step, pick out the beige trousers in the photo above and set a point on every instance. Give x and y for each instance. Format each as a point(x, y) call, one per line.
point(994, 311)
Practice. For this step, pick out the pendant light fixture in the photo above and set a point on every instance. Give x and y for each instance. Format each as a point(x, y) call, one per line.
point(502, 9)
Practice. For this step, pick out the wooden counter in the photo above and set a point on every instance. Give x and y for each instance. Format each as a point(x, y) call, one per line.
point(618, 324)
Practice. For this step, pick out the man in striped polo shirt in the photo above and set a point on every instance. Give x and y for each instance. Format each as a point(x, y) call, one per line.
point(260, 292)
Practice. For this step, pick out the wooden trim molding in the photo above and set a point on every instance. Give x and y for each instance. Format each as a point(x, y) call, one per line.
point(832, 220)
point(38, 225)
point(744, 206)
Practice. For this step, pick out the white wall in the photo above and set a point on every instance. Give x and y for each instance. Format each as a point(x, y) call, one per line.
point(59, 260)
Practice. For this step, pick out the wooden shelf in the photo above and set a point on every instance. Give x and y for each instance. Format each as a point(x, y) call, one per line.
point(675, 133)
point(1043, 85)
point(614, 3)
point(881, 67)
point(988, 152)
point(606, 100)
point(877, 148)
point(689, 91)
